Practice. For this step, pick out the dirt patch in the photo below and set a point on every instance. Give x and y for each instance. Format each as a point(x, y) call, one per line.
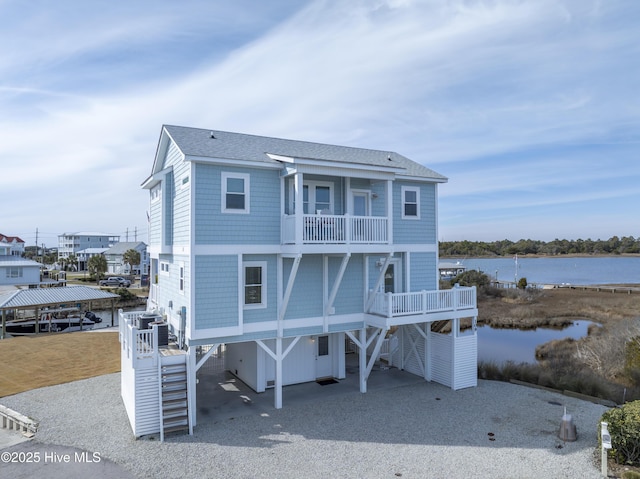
point(39, 361)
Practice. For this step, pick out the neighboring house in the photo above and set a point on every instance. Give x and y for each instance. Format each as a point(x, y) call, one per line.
point(74, 243)
point(11, 245)
point(115, 259)
point(281, 253)
point(18, 271)
point(83, 257)
point(14, 269)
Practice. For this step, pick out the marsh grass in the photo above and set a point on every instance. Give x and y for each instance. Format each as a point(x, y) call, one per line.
point(560, 376)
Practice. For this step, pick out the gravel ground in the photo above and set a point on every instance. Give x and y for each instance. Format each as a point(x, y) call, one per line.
point(423, 430)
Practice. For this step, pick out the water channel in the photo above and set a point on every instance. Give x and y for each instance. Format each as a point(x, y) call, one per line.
point(498, 345)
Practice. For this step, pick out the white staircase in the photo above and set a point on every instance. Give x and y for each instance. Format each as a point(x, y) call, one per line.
point(174, 399)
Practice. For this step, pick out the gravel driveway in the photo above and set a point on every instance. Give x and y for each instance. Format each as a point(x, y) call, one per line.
point(421, 430)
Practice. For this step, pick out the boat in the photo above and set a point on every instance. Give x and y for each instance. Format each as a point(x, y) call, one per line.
point(450, 270)
point(55, 320)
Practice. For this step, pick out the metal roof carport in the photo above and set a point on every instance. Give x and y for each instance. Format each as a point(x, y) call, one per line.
point(36, 298)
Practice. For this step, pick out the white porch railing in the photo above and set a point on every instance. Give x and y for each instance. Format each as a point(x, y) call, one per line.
point(392, 305)
point(139, 344)
point(336, 229)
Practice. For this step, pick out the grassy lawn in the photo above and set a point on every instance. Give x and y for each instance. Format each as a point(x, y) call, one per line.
point(30, 362)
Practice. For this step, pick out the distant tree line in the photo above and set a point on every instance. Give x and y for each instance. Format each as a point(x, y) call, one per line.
point(614, 245)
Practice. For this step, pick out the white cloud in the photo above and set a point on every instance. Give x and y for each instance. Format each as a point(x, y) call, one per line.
point(453, 84)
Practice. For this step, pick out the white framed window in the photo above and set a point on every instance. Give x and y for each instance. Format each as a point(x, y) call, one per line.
point(181, 278)
point(164, 268)
point(411, 202)
point(14, 272)
point(255, 284)
point(155, 193)
point(235, 192)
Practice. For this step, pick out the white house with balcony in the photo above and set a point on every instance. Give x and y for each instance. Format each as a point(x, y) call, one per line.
point(282, 252)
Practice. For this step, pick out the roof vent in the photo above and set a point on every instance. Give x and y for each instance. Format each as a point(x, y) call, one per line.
point(389, 157)
point(211, 135)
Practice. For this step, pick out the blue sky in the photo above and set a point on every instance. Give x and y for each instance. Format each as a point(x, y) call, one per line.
point(530, 108)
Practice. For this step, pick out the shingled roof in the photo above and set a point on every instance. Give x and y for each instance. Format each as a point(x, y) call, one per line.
point(201, 143)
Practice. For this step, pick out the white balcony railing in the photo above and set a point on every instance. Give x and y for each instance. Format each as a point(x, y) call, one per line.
point(139, 344)
point(392, 305)
point(336, 229)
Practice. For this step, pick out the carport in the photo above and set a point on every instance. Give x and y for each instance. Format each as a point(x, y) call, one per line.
point(38, 298)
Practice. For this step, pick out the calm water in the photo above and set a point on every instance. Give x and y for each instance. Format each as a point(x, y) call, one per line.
point(500, 345)
point(579, 271)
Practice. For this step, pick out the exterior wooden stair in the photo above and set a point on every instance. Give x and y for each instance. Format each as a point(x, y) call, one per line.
point(174, 402)
point(437, 326)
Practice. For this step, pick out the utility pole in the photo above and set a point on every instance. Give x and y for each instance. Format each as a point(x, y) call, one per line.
point(135, 234)
point(36, 243)
point(127, 234)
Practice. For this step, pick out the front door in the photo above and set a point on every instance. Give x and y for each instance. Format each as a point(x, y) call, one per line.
point(323, 358)
point(360, 203)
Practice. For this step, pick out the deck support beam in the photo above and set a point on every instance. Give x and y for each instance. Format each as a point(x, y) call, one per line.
point(363, 344)
point(379, 281)
point(278, 356)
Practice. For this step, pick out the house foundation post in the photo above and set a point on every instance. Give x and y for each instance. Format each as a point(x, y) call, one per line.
point(363, 360)
point(278, 385)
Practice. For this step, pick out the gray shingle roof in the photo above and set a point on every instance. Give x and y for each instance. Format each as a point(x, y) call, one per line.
point(198, 142)
point(44, 296)
point(123, 247)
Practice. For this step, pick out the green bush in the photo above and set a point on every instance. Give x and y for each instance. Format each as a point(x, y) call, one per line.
point(125, 294)
point(624, 427)
point(522, 283)
point(630, 475)
point(471, 278)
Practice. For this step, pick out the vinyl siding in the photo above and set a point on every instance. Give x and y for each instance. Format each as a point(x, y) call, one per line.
point(260, 226)
point(307, 295)
point(182, 204)
point(350, 297)
point(216, 291)
point(168, 193)
point(423, 271)
point(422, 231)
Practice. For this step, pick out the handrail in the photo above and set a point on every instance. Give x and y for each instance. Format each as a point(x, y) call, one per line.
point(423, 302)
point(336, 229)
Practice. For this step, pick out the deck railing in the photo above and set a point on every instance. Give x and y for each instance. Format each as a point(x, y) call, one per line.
point(336, 229)
point(393, 305)
point(139, 344)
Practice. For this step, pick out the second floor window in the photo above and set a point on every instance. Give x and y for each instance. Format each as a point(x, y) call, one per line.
point(235, 193)
point(410, 202)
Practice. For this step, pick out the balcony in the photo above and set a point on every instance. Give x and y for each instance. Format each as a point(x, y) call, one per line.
point(336, 229)
point(458, 302)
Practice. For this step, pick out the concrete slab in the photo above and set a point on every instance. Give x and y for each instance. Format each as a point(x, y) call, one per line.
point(222, 396)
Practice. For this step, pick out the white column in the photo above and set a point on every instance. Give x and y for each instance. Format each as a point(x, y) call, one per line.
point(299, 207)
point(278, 385)
point(390, 211)
point(363, 360)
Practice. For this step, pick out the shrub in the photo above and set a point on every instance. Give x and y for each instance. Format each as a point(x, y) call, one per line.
point(471, 278)
point(624, 427)
point(125, 294)
point(522, 283)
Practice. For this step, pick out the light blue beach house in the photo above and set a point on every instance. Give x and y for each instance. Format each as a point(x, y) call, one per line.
point(286, 255)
